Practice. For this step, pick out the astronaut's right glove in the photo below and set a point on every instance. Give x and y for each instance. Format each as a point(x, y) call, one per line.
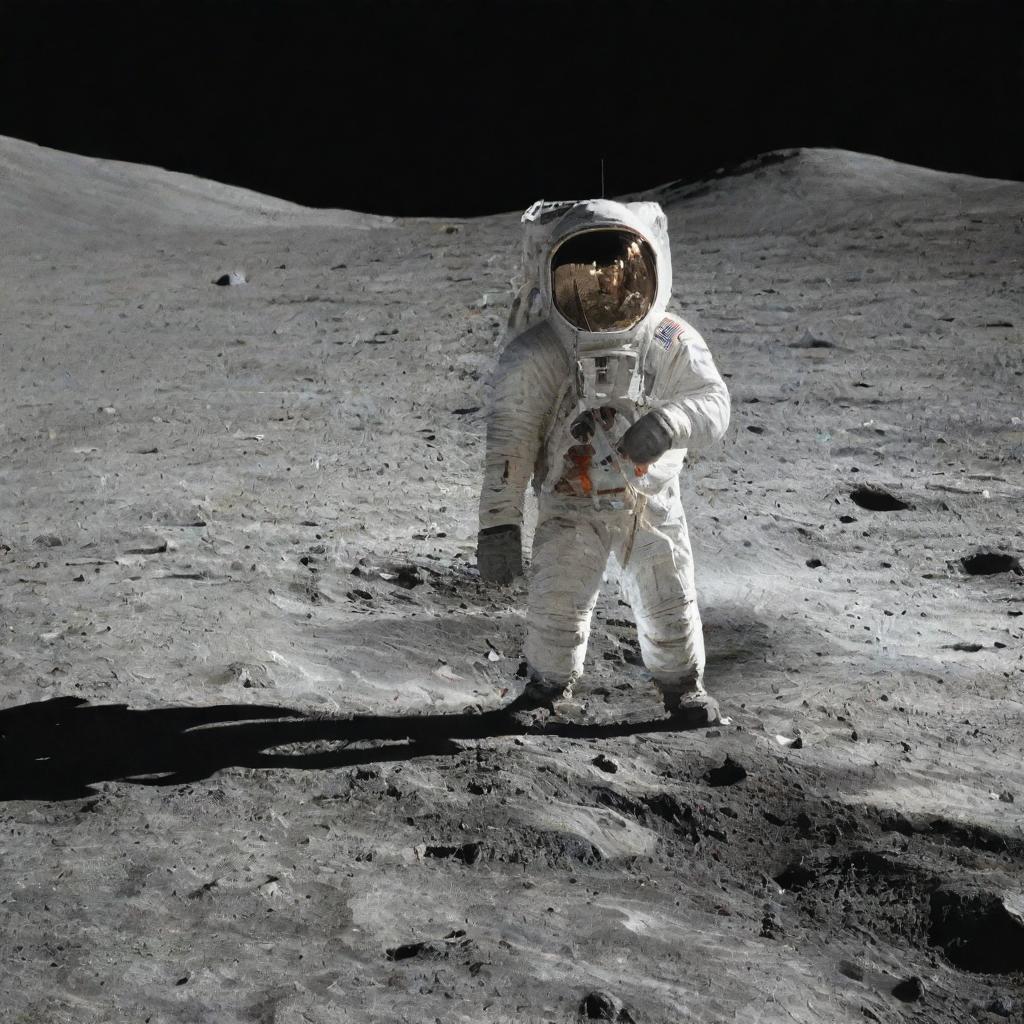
point(499, 553)
point(647, 440)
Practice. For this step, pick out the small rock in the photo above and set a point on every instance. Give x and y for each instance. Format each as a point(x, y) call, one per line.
point(1001, 1006)
point(156, 548)
point(606, 764)
point(851, 970)
point(407, 577)
point(405, 951)
point(249, 676)
point(48, 540)
point(270, 889)
point(235, 277)
point(811, 340)
point(877, 499)
point(1006, 796)
point(910, 990)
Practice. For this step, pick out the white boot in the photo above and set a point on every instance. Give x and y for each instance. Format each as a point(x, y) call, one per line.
point(687, 701)
point(535, 705)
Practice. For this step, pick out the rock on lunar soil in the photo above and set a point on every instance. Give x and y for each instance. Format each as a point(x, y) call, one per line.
point(234, 277)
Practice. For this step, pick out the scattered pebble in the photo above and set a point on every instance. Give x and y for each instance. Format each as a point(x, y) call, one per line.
point(606, 764)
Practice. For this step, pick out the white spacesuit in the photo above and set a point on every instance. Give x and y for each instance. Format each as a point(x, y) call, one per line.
point(598, 395)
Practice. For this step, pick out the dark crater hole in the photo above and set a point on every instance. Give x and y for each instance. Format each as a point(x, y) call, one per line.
point(988, 563)
point(874, 499)
point(977, 932)
point(797, 876)
point(467, 853)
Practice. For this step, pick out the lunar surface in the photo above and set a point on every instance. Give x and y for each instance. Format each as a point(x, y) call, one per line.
point(253, 765)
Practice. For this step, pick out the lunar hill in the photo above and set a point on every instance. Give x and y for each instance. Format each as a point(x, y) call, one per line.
point(251, 765)
point(44, 189)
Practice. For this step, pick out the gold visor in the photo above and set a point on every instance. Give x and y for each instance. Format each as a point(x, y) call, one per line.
point(604, 279)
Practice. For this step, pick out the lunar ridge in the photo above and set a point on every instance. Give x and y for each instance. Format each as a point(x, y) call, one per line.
point(252, 762)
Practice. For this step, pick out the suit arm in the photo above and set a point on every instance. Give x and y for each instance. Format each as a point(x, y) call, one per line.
point(692, 399)
point(526, 382)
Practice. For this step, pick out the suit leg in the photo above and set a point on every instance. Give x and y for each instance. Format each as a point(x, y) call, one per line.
point(658, 583)
point(569, 558)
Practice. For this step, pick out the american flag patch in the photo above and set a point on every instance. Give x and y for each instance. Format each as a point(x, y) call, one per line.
point(667, 331)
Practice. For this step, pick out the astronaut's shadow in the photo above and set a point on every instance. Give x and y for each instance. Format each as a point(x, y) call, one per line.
point(58, 749)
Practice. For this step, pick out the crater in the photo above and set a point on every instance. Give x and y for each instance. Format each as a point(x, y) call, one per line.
point(990, 563)
point(874, 499)
point(977, 931)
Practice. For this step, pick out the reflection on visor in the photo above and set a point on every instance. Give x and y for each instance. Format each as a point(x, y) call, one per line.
point(604, 279)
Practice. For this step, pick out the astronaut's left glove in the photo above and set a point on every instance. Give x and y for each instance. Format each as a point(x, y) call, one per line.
point(648, 439)
point(499, 553)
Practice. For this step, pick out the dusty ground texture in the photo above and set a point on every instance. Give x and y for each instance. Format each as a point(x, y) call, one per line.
point(252, 769)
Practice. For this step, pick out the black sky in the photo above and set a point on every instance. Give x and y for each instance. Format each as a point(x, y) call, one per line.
point(456, 107)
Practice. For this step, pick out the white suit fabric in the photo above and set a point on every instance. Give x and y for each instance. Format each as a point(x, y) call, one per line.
point(543, 381)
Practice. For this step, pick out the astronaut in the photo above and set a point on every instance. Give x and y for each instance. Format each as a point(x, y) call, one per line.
point(598, 394)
